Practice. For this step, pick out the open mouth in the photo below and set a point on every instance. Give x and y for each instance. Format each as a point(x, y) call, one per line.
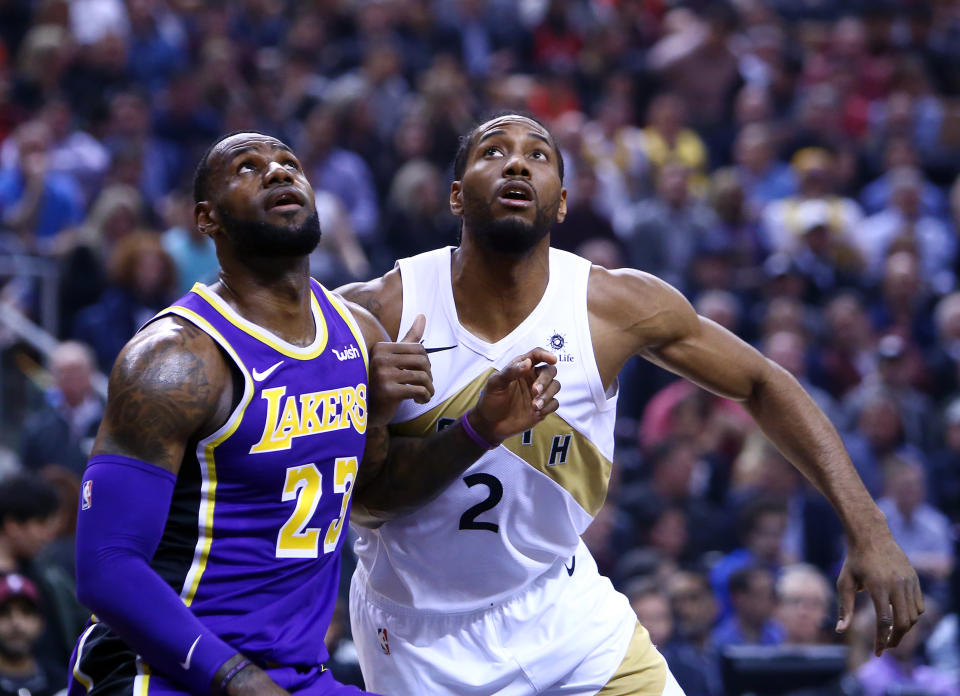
point(284, 200)
point(516, 194)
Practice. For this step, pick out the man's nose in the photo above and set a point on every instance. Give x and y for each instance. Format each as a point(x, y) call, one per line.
point(277, 173)
point(515, 165)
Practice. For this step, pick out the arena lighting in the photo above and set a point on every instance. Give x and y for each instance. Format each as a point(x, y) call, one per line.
point(771, 670)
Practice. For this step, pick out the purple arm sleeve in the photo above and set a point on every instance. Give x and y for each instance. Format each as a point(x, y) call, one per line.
point(123, 510)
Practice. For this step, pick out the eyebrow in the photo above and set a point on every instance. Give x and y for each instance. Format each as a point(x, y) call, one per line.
point(500, 131)
point(249, 148)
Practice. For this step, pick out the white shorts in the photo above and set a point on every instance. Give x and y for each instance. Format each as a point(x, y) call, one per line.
point(566, 633)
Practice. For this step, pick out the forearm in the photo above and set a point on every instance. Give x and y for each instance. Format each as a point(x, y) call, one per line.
point(118, 529)
point(411, 471)
point(802, 433)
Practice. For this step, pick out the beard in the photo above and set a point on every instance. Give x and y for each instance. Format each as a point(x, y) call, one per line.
point(511, 235)
point(253, 238)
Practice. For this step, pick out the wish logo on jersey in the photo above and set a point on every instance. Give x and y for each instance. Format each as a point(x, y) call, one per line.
point(310, 414)
point(351, 353)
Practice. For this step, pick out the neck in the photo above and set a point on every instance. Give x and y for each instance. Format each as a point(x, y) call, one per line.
point(272, 293)
point(494, 292)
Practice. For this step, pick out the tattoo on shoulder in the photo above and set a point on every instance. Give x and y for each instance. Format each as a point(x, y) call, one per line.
point(368, 300)
point(160, 391)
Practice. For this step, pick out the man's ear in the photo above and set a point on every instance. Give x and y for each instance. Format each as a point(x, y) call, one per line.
point(456, 198)
point(206, 218)
point(562, 208)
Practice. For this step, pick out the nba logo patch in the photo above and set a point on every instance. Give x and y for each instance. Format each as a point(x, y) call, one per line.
point(384, 643)
point(86, 498)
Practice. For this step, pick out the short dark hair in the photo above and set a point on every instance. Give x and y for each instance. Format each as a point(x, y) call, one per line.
point(466, 143)
point(742, 578)
point(754, 510)
point(201, 175)
point(25, 497)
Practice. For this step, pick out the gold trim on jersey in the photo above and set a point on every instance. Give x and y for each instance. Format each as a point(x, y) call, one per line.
point(85, 679)
point(643, 671)
point(258, 332)
point(206, 458)
point(553, 447)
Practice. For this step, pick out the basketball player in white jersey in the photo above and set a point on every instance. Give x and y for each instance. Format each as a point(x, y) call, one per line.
point(487, 588)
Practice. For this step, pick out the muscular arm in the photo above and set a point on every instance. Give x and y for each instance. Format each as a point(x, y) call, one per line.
point(169, 386)
point(635, 313)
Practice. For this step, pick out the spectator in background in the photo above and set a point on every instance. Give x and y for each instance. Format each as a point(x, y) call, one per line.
point(848, 353)
point(899, 154)
point(944, 471)
point(903, 224)
point(765, 178)
point(21, 625)
point(340, 172)
point(142, 282)
point(816, 172)
point(943, 359)
point(28, 522)
point(804, 602)
point(418, 210)
point(651, 603)
point(193, 253)
point(663, 232)
point(668, 139)
point(789, 350)
point(763, 525)
point(902, 669)
point(35, 202)
point(922, 531)
point(695, 615)
point(61, 431)
point(86, 250)
point(752, 603)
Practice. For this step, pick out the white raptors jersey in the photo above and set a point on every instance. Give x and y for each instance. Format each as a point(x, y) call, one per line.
point(522, 506)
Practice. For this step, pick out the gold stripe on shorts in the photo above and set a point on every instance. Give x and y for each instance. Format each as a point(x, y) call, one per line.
point(643, 671)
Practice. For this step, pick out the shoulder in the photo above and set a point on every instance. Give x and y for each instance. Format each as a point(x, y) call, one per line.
point(381, 297)
point(370, 326)
point(626, 299)
point(170, 383)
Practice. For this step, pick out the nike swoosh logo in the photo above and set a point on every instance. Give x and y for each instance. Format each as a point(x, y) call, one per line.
point(186, 663)
point(573, 564)
point(437, 350)
point(260, 376)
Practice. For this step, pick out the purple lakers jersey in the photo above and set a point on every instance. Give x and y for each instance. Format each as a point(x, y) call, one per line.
point(259, 511)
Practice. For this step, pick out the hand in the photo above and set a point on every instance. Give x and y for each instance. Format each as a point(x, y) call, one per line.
point(517, 398)
point(399, 371)
point(881, 568)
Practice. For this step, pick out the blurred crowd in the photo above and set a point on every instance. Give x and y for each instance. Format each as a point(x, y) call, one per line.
point(790, 165)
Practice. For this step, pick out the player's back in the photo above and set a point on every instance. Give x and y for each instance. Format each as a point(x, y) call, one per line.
point(523, 505)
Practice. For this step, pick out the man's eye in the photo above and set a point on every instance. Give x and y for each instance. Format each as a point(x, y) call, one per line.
point(491, 152)
point(539, 154)
point(290, 164)
point(245, 167)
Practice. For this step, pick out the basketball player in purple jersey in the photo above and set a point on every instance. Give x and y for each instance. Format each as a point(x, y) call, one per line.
point(214, 506)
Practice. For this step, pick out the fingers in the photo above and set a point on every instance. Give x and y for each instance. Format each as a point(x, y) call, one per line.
point(519, 368)
point(416, 330)
point(540, 355)
point(546, 403)
point(881, 602)
point(545, 375)
point(846, 593)
point(904, 615)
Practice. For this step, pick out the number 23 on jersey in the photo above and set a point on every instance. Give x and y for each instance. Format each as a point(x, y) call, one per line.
point(304, 484)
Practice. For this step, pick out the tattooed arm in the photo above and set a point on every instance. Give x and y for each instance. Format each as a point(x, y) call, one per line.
point(170, 386)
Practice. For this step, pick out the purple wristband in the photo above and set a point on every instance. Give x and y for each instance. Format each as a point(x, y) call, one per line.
point(474, 435)
point(234, 671)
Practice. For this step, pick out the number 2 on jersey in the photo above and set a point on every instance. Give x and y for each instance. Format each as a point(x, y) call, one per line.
point(304, 484)
point(468, 520)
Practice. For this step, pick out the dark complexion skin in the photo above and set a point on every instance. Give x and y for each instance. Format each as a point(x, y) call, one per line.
point(635, 313)
point(171, 386)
